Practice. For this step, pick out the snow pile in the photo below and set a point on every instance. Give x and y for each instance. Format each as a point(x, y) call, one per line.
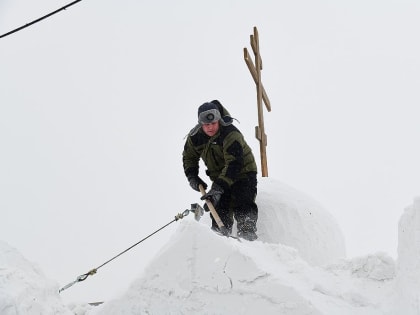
point(200, 272)
point(407, 296)
point(409, 239)
point(377, 266)
point(290, 217)
point(23, 287)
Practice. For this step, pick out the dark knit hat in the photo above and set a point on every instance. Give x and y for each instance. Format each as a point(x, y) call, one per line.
point(208, 113)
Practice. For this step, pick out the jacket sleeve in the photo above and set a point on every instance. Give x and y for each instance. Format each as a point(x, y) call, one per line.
point(190, 159)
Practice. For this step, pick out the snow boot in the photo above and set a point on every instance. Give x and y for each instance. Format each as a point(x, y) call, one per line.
point(247, 235)
point(247, 229)
point(226, 232)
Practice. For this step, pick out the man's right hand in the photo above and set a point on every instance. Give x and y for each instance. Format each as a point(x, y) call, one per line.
point(214, 194)
point(195, 182)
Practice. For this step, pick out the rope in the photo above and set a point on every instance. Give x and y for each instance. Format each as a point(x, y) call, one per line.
point(40, 19)
point(93, 271)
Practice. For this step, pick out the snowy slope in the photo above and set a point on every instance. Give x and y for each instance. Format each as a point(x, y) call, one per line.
point(292, 218)
point(23, 287)
point(406, 298)
point(200, 272)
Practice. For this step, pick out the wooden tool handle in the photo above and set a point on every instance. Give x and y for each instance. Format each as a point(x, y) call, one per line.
point(212, 209)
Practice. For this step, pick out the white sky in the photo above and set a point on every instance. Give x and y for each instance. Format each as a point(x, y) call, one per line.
point(96, 100)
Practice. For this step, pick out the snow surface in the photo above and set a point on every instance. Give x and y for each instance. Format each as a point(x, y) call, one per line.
point(23, 287)
point(292, 218)
point(296, 267)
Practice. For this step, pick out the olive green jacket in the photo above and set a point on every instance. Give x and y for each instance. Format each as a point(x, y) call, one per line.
point(226, 155)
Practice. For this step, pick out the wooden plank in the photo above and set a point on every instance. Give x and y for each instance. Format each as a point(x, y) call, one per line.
point(254, 75)
point(255, 71)
point(258, 133)
point(255, 49)
point(250, 65)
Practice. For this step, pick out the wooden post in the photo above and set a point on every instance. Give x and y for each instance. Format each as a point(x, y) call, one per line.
point(255, 71)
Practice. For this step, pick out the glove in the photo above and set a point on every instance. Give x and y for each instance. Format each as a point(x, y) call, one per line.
point(214, 194)
point(195, 182)
point(206, 207)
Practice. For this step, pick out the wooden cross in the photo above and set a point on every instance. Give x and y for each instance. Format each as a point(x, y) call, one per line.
point(261, 96)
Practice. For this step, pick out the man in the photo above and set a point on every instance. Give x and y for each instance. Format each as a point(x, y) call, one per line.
point(230, 165)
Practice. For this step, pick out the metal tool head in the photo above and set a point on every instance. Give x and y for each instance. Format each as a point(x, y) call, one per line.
point(197, 210)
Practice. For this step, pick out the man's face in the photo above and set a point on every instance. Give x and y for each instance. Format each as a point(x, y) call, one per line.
point(211, 129)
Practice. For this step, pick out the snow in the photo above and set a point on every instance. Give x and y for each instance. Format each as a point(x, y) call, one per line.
point(408, 275)
point(23, 287)
point(298, 266)
point(292, 218)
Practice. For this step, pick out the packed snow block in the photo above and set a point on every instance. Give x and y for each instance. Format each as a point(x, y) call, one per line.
point(378, 267)
point(406, 298)
point(292, 218)
point(409, 239)
point(200, 272)
point(23, 287)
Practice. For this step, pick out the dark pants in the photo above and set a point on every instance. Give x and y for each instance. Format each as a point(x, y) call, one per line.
point(239, 203)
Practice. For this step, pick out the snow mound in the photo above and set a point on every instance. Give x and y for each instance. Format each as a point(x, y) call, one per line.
point(200, 272)
point(409, 239)
point(379, 266)
point(23, 287)
point(406, 299)
point(292, 218)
